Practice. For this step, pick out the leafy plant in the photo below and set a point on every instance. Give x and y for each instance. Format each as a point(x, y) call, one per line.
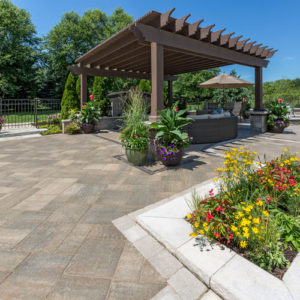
point(2, 120)
point(135, 133)
point(51, 129)
point(278, 113)
point(89, 113)
point(72, 128)
point(54, 118)
point(170, 128)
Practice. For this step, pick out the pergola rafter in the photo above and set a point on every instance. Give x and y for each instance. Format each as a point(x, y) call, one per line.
point(178, 46)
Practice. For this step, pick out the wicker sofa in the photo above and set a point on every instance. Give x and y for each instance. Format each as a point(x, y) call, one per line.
point(212, 128)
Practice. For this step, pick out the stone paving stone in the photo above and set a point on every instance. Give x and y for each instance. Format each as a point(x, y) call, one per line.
point(9, 260)
point(73, 189)
point(134, 233)
point(80, 288)
point(40, 268)
point(96, 259)
point(54, 188)
point(35, 202)
point(165, 263)
point(105, 231)
point(133, 291)
point(166, 294)
point(149, 274)
point(291, 277)
point(11, 237)
point(130, 264)
point(123, 223)
point(47, 237)
point(187, 285)
point(148, 246)
point(210, 295)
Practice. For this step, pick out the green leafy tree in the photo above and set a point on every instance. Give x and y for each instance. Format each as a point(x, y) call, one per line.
point(100, 92)
point(118, 20)
point(18, 52)
point(144, 86)
point(70, 99)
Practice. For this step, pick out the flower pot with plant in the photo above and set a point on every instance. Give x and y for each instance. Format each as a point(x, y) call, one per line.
point(90, 113)
point(171, 139)
point(2, 121)
point(135, 134)
point(277, 119)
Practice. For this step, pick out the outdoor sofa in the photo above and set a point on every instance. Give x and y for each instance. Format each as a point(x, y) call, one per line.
point(211, 128)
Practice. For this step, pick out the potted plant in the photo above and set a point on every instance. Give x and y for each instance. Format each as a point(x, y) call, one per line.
point(2, 122)
point(135, 133)
point(277, 119)
point(73, 128)
point(170, 139)
point(90, 113)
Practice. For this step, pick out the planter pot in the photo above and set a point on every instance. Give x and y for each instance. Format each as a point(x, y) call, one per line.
point(276, 128)
point(88, 128)
point(0, 127)
point(137, 158)
point(172, 161)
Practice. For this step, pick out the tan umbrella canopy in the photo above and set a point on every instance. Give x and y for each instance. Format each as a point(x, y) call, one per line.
point(225, 81)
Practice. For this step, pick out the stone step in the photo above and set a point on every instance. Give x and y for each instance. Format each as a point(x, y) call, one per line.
point(12, 132)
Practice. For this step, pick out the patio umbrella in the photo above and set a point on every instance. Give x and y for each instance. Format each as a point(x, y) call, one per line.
point(225, 81)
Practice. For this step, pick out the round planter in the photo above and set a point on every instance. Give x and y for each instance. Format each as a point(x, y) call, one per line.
point(172, 161)
point(276, 128)
point(137, 158)
point(88, 128)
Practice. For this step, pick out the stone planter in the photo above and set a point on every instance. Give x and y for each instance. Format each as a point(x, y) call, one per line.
point(137, 158)
point(276, 128)
point(88, 128)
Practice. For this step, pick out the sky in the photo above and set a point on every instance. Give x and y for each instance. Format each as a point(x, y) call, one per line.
point(274, 23)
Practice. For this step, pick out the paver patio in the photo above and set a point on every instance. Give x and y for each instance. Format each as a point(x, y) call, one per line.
point(58, 196)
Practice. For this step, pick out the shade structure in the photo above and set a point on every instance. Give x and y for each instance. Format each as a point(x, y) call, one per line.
point(225, 81)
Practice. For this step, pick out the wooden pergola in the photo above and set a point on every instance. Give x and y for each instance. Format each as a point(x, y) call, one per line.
point(158, 47)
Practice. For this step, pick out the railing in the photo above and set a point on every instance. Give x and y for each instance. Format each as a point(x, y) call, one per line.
point(28, 112)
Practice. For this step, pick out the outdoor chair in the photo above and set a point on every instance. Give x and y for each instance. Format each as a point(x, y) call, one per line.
point(239, 109)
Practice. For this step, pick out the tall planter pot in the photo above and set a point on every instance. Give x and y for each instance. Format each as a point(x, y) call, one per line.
point(88, 128)
point(137, 158)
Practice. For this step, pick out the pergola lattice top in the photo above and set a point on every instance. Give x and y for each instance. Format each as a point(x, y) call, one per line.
point(187, 48)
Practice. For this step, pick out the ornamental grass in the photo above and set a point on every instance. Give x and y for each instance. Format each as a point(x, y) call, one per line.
point(256, 210)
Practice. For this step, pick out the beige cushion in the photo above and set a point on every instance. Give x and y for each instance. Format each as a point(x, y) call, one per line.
point(216, 116)
point(227, 114)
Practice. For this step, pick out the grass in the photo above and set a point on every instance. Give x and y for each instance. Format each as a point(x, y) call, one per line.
point(29, 117)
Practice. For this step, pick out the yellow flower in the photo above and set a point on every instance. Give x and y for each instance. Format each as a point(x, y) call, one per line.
point(193, 234)
point(189, 216)
point(206, 228)
point(196, 224)
point(201, 231)
point(285, 150)
point(259, 202)
point(256, 220)
point(240, 214)
point(265, 213)
point(233, 228)
point(254, 152)
point(246, 234)
point(243, 244)
point(255, 230)
point(241, 148)
point(204, 224)
point(238, 233)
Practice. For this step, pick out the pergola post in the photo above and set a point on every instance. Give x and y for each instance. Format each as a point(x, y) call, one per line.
point(157, 80)
point(170, 93)
point(83, 89)
point(258, 117)
point(258, 89)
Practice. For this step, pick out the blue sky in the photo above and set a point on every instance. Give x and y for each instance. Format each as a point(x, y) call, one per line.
point(275, 23)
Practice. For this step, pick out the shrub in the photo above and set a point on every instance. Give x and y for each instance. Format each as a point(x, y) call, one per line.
point(100, 93)
point(89, 113)
point(278, 113)
point(70, 98)
point(72, 128)
point(51, 129)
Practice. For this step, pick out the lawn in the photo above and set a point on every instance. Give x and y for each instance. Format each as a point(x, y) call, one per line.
point(29, 117)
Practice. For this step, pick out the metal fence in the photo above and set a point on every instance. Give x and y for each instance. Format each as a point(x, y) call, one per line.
point(28, 112)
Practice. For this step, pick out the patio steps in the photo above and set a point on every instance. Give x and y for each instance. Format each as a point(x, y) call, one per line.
point(22, 131)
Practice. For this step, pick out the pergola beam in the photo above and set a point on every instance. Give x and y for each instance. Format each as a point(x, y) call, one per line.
point(113, 73)
point(184, 43)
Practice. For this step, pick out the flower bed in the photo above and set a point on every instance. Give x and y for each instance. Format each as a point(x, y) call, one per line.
point(256, 212)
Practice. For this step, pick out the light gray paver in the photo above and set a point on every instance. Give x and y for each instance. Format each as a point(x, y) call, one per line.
point(166, 294)
point(292, 277)
point(210, 295)
point(134, 233)
point(148, 246)
point(187, 285)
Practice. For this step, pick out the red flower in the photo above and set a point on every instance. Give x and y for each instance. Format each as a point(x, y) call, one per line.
point(280, 100)
point(83, 106)
point(211, 193)
point(176, 109)
point(219, 208)
point(91, 97)
point(217, 234)
point(244, 99)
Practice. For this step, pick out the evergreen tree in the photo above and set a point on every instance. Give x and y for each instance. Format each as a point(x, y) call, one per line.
point(70, 98)
point(100, 92)
point(78, 85)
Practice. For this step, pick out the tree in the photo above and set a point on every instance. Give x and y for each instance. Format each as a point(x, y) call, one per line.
point(18, 52)
point(145, 86)
point(118, 20)
point(100, 93)
point(70, 98)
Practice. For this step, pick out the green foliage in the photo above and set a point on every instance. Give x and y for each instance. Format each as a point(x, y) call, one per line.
point(72, 128)
point(18, 52)
point(135, 134)
point(100, 92)
point(51, 129)
point(90, 113)
point(70, 99)
point(144, 86)
point(279, 112)
point(270, 258)
point(170, 127)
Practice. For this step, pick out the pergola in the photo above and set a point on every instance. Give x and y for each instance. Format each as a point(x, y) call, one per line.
point(158, 47)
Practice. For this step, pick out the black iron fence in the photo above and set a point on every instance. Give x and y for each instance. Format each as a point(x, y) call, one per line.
point(28, 112)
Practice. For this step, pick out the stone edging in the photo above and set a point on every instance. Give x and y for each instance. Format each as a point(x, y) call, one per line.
point(225, 272)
